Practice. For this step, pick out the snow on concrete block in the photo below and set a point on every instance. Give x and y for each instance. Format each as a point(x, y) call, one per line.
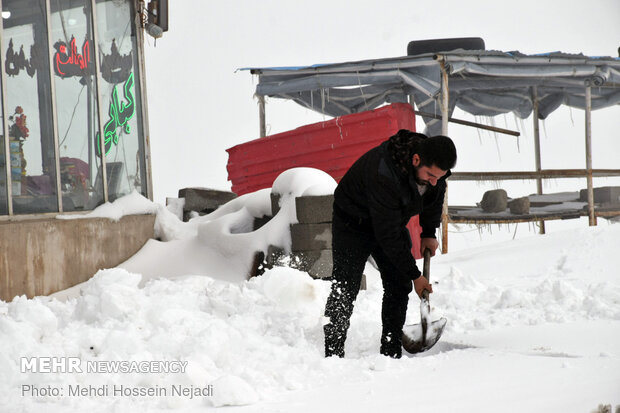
point(603, 194)
point(314, 209)
point(495, 200)
point(311, 237)
point(520, 206)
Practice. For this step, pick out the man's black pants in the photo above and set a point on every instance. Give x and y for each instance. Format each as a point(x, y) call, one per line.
point(352, 243)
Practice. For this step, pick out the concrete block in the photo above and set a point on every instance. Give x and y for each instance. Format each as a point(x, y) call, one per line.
point(319, 264)
point(275, 204)
point(259, 222)
point(311, 237)
point(274, 255)
point(204, 200)
point(263, 262)
point(314, 209)
point(494, 201)
point(316, 263)
point(610, 194)
point(520, 206)
point(258, 266)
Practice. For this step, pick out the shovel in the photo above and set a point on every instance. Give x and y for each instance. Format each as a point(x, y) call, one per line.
point(420, 337)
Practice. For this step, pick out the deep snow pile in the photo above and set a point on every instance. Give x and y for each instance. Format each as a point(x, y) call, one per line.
point(533, 325)
point(222, 244)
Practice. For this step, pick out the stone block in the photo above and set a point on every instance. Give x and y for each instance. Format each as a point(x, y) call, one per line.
point(311, 237)
point(316, 263)
point(259, 222)
point(275, 203)
point(314, 209)
point(274, 255)
point(609, 194)
point(494, 201)
point(204, 200)
point(520, 206)
point(319, 264)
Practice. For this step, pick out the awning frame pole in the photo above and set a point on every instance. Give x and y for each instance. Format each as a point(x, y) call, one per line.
point(539, 186)
point(588, 97)
point(444, 131)
point(261, 116)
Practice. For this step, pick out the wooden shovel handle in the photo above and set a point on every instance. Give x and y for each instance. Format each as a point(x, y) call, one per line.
point(426, 271)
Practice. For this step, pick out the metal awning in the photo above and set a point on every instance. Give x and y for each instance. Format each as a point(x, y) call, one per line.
point(480, 82)
point(485, 83)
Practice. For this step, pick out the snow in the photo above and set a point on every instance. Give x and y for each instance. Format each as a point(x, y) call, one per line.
point(131, 204)
point(533, 325)
point(223, 244)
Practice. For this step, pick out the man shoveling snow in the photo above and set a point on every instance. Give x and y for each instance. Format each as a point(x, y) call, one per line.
point(403, 177)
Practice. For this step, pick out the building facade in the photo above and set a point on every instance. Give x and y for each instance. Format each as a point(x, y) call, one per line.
point(73, 132)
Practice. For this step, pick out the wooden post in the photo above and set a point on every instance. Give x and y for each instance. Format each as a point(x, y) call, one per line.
point(591, 216)
point(539, 187)
point(261, 117)
point(411, 100)
point(467, 123)
point(444, 131)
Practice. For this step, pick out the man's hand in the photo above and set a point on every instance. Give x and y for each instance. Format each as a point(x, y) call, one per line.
point(430, 243)
point(420, 284)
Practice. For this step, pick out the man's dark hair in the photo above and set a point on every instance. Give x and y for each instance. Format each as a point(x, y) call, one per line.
point(437, 150)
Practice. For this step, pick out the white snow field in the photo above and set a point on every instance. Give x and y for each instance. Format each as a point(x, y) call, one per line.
point(533, 326)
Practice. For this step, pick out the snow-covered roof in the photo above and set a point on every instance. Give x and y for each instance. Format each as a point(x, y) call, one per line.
point(481, 82)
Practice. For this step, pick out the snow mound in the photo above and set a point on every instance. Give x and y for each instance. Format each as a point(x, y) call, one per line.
point(109, 294)
point(245, 340)
point(131, 204)
point(227, 237)
point(289, 288)
point(233, 391)
point(303, 181)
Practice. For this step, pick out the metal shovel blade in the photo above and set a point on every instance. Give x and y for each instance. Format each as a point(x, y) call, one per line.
point(421, 337)
point(416, 340)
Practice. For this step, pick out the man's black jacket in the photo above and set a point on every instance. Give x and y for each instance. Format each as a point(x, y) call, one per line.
point(376, 190)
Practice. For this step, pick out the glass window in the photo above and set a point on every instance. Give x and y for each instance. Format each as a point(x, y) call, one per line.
point(123, 135)
point(28, 99)
point(73, 65)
